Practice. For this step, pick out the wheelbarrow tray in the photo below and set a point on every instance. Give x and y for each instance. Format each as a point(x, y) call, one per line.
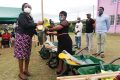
point(89, 60)
point(97, 69)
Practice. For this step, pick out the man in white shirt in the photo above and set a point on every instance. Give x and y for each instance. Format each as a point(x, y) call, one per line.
point(78, 32)
point(102, 27)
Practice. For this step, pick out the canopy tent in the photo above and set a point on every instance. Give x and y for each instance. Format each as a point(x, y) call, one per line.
point(8, 15)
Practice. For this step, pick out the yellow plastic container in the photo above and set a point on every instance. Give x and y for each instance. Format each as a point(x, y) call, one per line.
point(67, 58)
point(63, 56)
point(46, 22)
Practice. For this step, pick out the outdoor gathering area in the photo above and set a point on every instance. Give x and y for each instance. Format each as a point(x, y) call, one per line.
point(38, 67)
point(60, 40)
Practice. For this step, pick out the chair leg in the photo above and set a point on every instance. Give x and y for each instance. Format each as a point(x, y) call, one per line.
point(10, 45)
point(0, 45)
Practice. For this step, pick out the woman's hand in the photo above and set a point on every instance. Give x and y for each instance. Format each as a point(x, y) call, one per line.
point(53, 33)
point(40, 22)
point(39, 27)
point(47, 29)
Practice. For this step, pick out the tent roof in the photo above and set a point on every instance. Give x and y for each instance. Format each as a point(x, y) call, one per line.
point(9, 15)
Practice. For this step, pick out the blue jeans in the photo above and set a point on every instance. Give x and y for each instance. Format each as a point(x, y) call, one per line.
point(78, 41)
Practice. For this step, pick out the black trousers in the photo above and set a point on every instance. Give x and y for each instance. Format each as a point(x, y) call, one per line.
point(5, 42)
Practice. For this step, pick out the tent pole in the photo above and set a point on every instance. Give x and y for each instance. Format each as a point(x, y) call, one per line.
point(42, 9)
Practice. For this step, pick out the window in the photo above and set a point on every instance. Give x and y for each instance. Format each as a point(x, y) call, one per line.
point(114, 1)
point(112, 17)
point(118, 19)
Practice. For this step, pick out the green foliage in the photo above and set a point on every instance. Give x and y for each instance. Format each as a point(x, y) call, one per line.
point(84, 27)
point(72, 27)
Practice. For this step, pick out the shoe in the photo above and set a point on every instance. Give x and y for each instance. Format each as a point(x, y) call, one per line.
point(75, 46)
point(86, 48)
point(101, 52)
point(79, 48)
point(102, 55)
point(96, 54)
point(22, 77)
point(27, 73)
point(58, 72)
point(63, 74)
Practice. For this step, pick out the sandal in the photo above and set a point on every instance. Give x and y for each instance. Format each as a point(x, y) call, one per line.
point(96, 54)
point(102, 55)
point(63, 74)
point(58, 72)
point(22, 77)
point(27, 73)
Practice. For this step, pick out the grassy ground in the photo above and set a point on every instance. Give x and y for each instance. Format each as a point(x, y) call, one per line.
point(38, 67)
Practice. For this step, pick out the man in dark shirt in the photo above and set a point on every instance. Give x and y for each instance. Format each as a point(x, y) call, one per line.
point(89, 32)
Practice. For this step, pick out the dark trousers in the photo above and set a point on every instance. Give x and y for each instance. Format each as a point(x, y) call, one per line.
point(5, 42)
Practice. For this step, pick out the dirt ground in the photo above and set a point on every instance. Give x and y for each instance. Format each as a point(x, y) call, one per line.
point(38, 67)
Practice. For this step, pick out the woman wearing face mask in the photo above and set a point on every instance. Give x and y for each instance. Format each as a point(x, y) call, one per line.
point(64, 40)
point(23, 39)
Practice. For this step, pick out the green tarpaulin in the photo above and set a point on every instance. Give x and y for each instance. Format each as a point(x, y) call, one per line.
point(8, 15)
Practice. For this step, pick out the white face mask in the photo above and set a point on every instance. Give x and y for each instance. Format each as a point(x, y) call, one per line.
point(27, 10)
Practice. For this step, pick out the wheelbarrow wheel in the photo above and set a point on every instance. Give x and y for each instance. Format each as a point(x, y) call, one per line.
point(44, 53)
point(53, 63)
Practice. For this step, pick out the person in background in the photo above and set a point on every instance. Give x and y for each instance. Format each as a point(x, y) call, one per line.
point(6, 39)
point(102, 27)
point(51, 35)
point(0, 34)
point(0, 40)
point(12, 37)
point(23, 40)
point(64, 40)
point(78, 32)
point(90, 26)
point(13, 33)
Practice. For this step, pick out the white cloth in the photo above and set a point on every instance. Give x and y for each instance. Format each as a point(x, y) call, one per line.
point(52, 45)
point(73, 58)
point(78, 27)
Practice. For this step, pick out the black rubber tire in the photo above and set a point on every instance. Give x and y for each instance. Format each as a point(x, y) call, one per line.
point(44, 53)
point(53, 63)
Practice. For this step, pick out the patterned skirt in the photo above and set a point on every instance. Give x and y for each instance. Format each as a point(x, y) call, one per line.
point(22, 49)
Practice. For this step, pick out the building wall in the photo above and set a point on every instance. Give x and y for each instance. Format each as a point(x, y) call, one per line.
point(111, 9)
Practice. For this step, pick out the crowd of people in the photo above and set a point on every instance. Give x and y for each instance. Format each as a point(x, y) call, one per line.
point(100, 26)
point(27, 28)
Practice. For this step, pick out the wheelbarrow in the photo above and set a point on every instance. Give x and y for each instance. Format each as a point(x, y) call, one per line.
point(50, 52)
point(47, 49)
point(101, 68)
point(73, 62)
